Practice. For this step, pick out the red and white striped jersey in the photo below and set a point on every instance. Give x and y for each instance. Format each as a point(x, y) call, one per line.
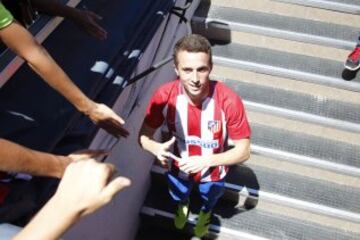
point(199, 130)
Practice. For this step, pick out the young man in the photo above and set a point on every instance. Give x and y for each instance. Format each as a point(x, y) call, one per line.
point(199, 114)
point(353, 61)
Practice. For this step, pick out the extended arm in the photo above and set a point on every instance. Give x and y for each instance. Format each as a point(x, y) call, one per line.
point(160, 150)
point(16, 158)
point(22, 43)
point(87, 20)
point(238, 154)
point(85, 187)
point(18, 39)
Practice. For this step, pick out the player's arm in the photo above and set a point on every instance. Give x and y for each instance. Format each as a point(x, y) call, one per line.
point(238, 154)
point(146, 140)
point(160, 150)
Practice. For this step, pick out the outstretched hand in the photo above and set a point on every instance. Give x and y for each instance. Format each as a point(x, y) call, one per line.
point(86, 186)
point(87, 20)
point(107, 119)
point(162, 153)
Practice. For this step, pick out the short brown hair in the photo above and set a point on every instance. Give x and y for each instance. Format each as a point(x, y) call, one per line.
point(192, 43)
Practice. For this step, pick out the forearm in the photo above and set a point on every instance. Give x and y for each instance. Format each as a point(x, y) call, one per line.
point(146, 140)
point(45, 66)
point(148, 144)
point(238, 154)
point(53, 7)
point(16, 158)
point(22, 43)
point(51, 222)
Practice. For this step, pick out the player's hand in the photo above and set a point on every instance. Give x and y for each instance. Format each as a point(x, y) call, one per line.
point(107, 119)
point(86, 186)
point(88, 21)
point(194, 164)
point(162, 153)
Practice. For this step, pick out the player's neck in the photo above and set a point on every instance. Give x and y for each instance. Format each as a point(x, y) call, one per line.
point(196, 100)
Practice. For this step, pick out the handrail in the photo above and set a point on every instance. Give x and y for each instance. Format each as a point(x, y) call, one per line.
point(181, 11)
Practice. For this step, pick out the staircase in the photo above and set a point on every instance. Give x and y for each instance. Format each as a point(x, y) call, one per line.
point(285, 59)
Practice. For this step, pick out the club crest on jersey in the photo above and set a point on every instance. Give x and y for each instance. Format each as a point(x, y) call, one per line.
point(214, 126)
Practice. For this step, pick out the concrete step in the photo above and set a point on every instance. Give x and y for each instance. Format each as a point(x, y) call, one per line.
point(230, 224)
point(285, 65)
point(240, 223)
point(154, 228)
point(274, 43)
point(299, 125)
point(347, 6)
point(290, 8)
point(296, 191)
point(297, 105)
point(265, 185)
point(322, 152)
point(299, 168)
point(274, 25)
point(318, 91)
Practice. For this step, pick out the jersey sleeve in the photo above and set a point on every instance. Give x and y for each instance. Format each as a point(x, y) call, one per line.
point(5, 17)
point(154, 117)
point(238, 126)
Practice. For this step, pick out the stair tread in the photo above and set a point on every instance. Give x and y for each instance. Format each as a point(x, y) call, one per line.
point(234, 17)
point(295, 187)
point(255, 178)
point(306, 145)
point(257, 222)
point(295, 66)
point(296, 101)
point(348, 6)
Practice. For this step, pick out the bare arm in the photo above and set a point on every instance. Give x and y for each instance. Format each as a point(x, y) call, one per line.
point(85, 187)
point(18, 39)
point(238, 154)
point(84, 19)
point(22, 43)
point(16, 158)
point(160, 150)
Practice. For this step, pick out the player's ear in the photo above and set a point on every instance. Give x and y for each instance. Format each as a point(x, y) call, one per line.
point(176, 70)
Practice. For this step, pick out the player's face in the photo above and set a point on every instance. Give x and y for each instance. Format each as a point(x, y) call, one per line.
point(193, 69)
